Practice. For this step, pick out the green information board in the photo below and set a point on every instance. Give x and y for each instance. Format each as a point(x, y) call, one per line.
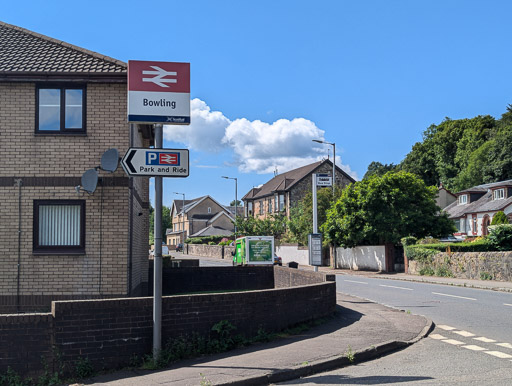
point(260, 250)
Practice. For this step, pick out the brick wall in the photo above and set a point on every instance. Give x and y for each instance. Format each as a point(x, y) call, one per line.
point(24, 341)
point(49, 167)
point(288, 277)
point(110, 332)
point(198, 279)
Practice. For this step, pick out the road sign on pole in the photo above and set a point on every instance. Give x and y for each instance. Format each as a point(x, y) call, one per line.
point(158, 92)
point(323, 180)
point(139, 162)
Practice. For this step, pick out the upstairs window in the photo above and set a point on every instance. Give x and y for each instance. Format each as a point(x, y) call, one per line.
point(59, 226)
point(249, 208)
point(463, 199)
point(281, 202)
point(60, 110)
point(498, 194)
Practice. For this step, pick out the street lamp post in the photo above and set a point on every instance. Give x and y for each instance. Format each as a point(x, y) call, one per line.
point(333, 161)
point(182, 220)
point(236, 196)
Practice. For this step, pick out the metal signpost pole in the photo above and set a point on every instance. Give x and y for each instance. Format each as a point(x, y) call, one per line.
point(315, 214)
point(333, 167)
point(157, 282)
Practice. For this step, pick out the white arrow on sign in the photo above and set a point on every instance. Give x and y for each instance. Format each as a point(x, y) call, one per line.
point(160, 74)
point(139, 162)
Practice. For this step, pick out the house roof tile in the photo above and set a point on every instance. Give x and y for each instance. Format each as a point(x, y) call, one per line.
point(24, 51)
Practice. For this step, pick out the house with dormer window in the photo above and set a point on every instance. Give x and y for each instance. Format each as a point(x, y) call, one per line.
point(474, 208)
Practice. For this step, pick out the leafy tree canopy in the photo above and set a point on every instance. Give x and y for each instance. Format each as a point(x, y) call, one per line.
point(499, 218)
point(382, 210)
point(238, 203)
point(378, 169)
point(166, 222)
point(460, 153)
point(301, 215)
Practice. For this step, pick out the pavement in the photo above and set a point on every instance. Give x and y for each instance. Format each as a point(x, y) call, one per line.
point(360, 330)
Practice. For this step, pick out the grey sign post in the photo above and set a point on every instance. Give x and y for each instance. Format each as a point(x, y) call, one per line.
point(158, 92)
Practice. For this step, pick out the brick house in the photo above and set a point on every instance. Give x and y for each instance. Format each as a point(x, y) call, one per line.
point(475, 207)
point(285, 190)
point(201, 216)
point(61, 108)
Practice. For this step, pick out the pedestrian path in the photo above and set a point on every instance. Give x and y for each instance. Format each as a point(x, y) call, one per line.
point(360, 330)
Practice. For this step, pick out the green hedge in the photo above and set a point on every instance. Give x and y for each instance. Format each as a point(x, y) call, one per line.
point(206, 239)
point(425, 252)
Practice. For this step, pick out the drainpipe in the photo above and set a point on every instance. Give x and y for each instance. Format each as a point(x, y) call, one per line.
point(18, 183)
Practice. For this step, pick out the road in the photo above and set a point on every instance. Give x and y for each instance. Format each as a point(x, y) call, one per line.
point(471, 345)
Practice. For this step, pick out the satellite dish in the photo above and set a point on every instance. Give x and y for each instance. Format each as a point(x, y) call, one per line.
point(110, 160)
point(90, 180)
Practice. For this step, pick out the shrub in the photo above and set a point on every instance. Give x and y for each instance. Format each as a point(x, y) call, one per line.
point(443, 271)
point(499, 218)
point(427, 271)
point(428, 240)
point(205, 240)
point(500, 237)
point(409, 240)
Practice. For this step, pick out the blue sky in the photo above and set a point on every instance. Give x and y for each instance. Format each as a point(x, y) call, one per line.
point(267, 77)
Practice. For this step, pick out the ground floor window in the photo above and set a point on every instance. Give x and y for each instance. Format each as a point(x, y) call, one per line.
point(59, 226)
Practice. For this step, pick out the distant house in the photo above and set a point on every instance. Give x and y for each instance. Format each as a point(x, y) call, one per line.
point(201, 216)
point(285, 190)
point(475, 207)
point(445, 197)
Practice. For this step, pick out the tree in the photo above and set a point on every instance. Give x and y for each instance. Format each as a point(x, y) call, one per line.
point(499, 218)
point(301, 215)
point(274, 225)
point(378, 169)
point(238, 203)
point(382, 210)
point(463, 153)
point(166, 222)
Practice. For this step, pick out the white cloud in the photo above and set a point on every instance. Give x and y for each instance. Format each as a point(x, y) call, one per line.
point(261, 147)
point(258, 147)
point(205, 131)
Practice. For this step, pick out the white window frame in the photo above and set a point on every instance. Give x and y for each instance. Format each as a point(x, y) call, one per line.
point(498, 194)
point(463, 199)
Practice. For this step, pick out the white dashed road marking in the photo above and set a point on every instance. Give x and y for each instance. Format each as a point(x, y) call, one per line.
point(464, 333)
point(446, 328)
point(474, 347)
point(392, 286)
point(453, 341)
point(437, 336)
point(506, 345)
point(453, 296)
point(499, 354)
point(485, 340)
point(353, 281)
point(505, 304)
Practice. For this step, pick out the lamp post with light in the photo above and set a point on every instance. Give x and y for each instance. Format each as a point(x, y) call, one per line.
point(333, 161)
point(236, 196)
point(182, 220)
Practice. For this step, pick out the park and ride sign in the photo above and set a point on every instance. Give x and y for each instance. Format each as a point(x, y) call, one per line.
point(158, 92)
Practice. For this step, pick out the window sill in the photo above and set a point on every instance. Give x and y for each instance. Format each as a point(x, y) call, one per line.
point(63, 134)
point(58, 253)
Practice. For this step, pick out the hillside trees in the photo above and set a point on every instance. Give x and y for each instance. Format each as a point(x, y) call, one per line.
point(461, 153)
